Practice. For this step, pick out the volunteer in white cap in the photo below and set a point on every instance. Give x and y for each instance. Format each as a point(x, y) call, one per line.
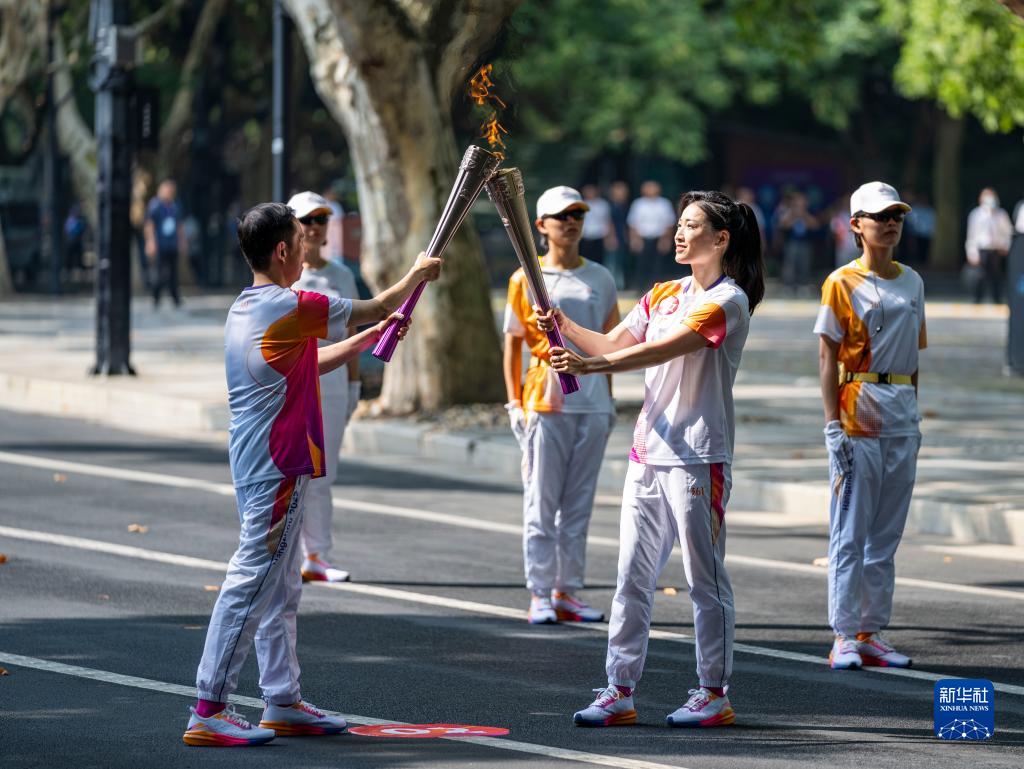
point(339, 390)
point(871, 326)
point(562, 437)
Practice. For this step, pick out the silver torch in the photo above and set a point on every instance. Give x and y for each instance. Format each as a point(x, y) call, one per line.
point(477, 166)
point(505, 188)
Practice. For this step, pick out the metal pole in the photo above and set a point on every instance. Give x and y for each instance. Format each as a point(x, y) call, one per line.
point(51, 165)
point(282, 66)
point(113, 166)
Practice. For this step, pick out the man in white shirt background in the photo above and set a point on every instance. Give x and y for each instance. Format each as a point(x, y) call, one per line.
point(989, 231)
point(652, 222)
point(598, 234)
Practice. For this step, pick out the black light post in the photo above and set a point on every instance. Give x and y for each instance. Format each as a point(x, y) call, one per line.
point(282, 66)
point(112, 84)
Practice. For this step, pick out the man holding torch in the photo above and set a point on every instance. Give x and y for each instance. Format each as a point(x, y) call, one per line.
point(275, 447)
point(562, 437)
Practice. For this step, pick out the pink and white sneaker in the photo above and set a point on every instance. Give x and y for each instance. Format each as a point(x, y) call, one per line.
point(569, 608)
point(541, 611)
point(875, 651)
point(845, 654)
point(611, 708)
point(223, 730)
point(704, 708)
point(300, 719)
point(316, 569)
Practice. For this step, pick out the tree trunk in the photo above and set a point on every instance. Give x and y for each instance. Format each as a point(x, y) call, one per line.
point(74, 136)
point(174, 132)
point(924, 118)
point(947, 245)
point(389, 77)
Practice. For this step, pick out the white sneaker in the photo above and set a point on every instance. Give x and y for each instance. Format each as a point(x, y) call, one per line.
point(224, 729)
point(541, 611)
point(315, 569)
point(569, 608)
point(704, 708)
point(302, 718)
point(875, 651)
point(844, 654)
point(611, 708)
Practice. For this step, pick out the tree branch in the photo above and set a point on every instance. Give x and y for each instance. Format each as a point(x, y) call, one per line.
point(73, 135)
point(181, 108)
point(1017, 6)
point(22, 45)
point(142, 27)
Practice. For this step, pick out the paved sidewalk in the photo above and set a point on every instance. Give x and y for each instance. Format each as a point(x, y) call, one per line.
point(970, 474)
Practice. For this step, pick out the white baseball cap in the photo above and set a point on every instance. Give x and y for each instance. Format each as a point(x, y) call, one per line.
point(559, 199)
point(873, 197)
point(309, 203)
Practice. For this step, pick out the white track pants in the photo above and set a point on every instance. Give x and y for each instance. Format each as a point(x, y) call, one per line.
point(260, 597)
point(662, 506)
point(562, 456)
point(319, 507)
point(865, 526)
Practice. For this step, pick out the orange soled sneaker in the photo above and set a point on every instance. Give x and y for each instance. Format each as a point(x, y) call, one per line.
point(224, 729)
point(569, 608)
point(316, 569)
point(299, 719)
point(845, 654)
point(704, 708)
point(875, 651)
point(611, 708)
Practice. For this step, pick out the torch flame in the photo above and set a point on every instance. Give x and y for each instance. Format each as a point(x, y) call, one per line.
point(492, 130)
point(480, 86)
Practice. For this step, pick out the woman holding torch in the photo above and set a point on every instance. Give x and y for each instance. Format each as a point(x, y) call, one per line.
point(688, 335)
point(562, 437)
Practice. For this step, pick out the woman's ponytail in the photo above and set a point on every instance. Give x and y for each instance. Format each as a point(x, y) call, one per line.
point(744, 260)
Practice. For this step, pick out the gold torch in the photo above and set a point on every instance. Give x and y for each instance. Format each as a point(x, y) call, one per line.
point(505, 188)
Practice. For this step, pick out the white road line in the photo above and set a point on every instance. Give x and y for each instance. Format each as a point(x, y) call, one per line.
point(395, 511)
point(425, 599)
point(188, 691)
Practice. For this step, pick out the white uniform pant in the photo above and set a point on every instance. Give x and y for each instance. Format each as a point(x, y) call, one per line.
point(319, 507)
point(562, 456)
point(260, 597)
point(663, 505)
point(866, 523)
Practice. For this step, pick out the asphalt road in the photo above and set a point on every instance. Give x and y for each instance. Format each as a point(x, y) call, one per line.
point(101, 627)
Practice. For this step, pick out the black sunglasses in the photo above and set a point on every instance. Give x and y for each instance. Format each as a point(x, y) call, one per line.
point(892, 215)
point(320, 219)
point(576, 215)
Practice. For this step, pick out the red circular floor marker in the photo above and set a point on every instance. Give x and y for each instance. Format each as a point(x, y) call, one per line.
point(428, 731)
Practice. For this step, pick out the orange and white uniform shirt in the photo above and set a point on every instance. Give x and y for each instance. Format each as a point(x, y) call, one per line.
point(564, 437)
point(879, 325)
point(586, 295)
point(688, 415)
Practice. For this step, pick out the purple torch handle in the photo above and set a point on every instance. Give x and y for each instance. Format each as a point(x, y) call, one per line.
point(569, 383)
point(476, 168)
point(388, 341)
